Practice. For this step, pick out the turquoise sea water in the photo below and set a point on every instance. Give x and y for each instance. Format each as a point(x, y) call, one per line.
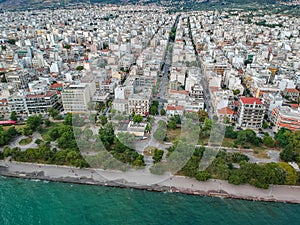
point(30, 202)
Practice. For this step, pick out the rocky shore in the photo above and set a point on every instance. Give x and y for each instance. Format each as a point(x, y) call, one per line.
point(143, 180)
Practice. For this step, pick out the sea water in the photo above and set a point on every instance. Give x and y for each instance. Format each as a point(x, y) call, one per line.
point(31, 202)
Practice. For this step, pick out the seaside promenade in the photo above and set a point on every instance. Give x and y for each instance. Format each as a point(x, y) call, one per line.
point(142, 179)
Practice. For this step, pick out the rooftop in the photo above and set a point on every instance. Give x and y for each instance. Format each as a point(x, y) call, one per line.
point(251, 101)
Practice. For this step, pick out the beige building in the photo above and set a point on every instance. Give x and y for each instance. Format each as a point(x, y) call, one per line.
point(76, 98)
point(140, 103)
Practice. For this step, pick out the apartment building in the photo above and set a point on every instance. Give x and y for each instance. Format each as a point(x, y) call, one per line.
point(251, 112)
point(140, 103)
point(286, 117)
point(75, 98)
point(4, 109)
point(17, 103)
point(292, 94)
point(40, 103)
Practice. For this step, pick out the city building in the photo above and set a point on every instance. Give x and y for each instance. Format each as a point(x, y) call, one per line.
point(139, 103)
point(251, 112)
point(286, 117)
point(76, 98)
point(40, 103)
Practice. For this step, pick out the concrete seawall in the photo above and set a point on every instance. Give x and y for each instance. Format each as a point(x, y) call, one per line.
point(176, 184)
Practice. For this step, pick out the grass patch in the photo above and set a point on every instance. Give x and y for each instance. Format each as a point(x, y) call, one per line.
point(258, 148)
point(25, 141)
point(261, 154)
point(173, 135)
point(17, 127)
point(227, 142)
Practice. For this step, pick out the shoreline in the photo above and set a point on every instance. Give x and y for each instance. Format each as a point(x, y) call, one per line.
point(175, 184)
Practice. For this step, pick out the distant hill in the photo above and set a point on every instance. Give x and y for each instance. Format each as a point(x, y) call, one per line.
point(35, 4)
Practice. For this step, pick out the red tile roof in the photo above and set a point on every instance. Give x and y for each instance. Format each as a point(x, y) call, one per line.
point(295, 106)
point(225, 111)
point(291, 90)
point(56, 86)
point(47, 94)
point(214, 89)
point(179, 92)
point(251, 101)
point(171, 107)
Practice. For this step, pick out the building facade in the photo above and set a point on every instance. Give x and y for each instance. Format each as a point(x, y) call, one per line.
point(40, 103)
point(76, 98)
point(286, 117)
point(251, 112)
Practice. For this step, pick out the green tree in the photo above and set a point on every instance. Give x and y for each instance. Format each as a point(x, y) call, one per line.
point(172, 124)
point(248, 136)
point(230, 133)
point(103, 120)
point(34, 122)
point(291, 174)
point(177, 119)
point(11, 41)
point(202, 115)
point(137, 118)
point(236, 92)
point(13, 116)
point(160, 134)
point(281, 137)
point(148, 128)
point(226, 120)
point(87, 134)
point(153, 110)
point(26, 131)
point(67, 46)
point(155, 103)
point(3, 79)
point(47, 122)
point(202, 175)
point(207, 124)
point(68, 119)
point(162, 112)
point(6, 136)
point(268, 141)
point(79, 68)
point(106, 135)
point(157, 156)
point(53, 112)
point(127, 139)
point(93, 118)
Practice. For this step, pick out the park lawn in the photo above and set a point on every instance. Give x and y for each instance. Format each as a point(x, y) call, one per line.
point(45, 130)
point(227, 142)
point(258, 148)
point(173, 135)
point(18, 126)
point(25, 141)
point(261, 154)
